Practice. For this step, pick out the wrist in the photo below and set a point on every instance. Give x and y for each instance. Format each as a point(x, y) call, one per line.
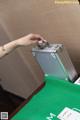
point(22, 42)
point(17, 43)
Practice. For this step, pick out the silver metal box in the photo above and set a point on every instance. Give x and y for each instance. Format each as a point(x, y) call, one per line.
point(54, 60)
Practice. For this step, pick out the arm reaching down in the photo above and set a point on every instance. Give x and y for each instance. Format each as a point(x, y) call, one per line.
point(24, 41)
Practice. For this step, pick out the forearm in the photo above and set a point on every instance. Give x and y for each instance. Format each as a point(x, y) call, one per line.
point(7, 48)
point(24, 41)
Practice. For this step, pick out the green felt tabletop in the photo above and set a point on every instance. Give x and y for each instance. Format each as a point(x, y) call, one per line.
point(51, 99)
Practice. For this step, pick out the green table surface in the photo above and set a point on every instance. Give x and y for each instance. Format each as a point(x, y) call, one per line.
point(52, 98)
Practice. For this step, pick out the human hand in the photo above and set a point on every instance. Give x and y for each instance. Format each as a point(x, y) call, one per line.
point(29, 39)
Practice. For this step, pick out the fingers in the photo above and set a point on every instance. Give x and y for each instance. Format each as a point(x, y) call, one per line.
point(41, 42)
point(36, 37)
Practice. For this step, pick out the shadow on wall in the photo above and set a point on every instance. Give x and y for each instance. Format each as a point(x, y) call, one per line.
point(15, 74)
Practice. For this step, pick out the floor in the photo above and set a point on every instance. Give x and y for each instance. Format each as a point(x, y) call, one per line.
point(8, 101)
